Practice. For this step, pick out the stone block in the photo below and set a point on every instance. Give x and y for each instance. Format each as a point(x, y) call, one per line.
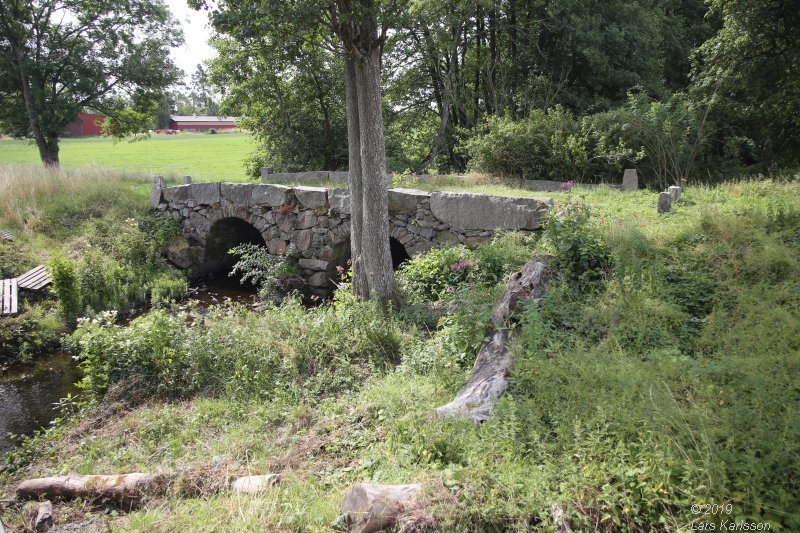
point(311, 197)
point(237, 193)
point(199, 221)
point(306, 219)
point(326, 253)
point(630, 180)
point(675, 192)
point(176, 193)
point(155, 192)
point(340, 200)
point(205, 193)
point(302, 239)
point(314, 264)
point(341, 176)
point(276, 246)
point(664, 202)
point(483, 212)
point(269, 195)
point(320, 279)
point(406, 200)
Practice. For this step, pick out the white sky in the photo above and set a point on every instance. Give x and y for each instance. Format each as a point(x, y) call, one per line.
point(196, 32)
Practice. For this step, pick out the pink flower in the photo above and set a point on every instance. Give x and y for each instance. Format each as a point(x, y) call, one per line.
point(567, 184)
point(340, 269)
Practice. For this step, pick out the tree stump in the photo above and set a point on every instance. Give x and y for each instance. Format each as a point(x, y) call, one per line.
point(368, 508)
point(489, 378)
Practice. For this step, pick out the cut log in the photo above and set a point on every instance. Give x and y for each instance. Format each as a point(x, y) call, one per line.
point(44, 518)
point(489, 378)
point(123, 489)
point(255, 484)
point(367, 508)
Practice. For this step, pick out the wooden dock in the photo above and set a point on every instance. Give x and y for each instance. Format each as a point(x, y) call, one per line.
point(34, 280)
point(9, 303)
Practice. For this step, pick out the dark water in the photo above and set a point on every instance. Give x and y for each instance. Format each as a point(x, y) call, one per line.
point(28, 393)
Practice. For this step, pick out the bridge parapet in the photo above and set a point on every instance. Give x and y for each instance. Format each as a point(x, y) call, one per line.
point(312, 224)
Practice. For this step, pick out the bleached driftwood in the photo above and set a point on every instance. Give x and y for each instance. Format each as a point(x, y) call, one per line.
point(368, 508)
point(124, 489)
point(489, 377)
point(255, 484)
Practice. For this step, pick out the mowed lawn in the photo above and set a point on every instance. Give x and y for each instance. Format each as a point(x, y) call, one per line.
point(203, 156)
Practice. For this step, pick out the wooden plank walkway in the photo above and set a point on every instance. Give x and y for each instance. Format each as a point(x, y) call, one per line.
point(9, 303)
point(35, 279)
point(6, 234)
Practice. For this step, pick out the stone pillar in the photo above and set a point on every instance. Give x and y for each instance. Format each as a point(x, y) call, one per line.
point(266, 172)
point(187, 180)
point(155, 191)
point(675, 192)
point(630, 180)
point(664, 202)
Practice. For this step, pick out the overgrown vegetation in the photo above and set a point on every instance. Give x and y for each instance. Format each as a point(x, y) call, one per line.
point(653, 377)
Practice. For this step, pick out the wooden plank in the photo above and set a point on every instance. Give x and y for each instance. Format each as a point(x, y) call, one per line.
point(9, 303)
point(6, 234)
point(35, 279)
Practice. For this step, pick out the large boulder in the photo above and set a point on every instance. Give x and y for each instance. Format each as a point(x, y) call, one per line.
point(205, 193)
point(311, 197)
point(469, 211)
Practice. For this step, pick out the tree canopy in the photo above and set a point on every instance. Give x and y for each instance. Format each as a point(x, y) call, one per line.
point(60, 57)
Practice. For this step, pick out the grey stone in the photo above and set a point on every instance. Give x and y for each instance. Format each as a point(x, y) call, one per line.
point(302, 239)
point(176, 193)
point(306, 219)
point(314, 264)
point(205, 193)
point(340, 200)
point(237, 193)
point(44, 517)
point(664, 202)
point(320, 279)
point(270, 195)
point(342, 176)
point(675, 192)
point(630, 180)
point(255, 484)
point(155, 191)
point(276, 246)
point(311, 197)
point(406, 200)
point(480, 211)
point(187, 180)
point(446, 238)
point(199, 221)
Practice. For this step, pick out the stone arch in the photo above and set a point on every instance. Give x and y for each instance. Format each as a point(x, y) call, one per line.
point(226, 233)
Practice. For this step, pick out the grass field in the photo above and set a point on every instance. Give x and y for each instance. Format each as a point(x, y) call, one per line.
point(202, 156)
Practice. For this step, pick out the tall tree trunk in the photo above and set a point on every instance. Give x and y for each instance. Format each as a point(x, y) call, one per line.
point(360, 286)
point(496, 105)
point(47, 145)
point(375, 250)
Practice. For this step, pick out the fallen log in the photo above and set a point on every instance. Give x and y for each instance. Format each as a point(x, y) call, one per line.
point(489, 377)
point(123, 489)
point(368, 508)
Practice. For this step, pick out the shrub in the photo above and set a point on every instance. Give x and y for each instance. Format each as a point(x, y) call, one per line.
point(274, 275)
point(31, 333)
point(170, 286)
point(66, 285)
point(582, 257)
point(14, 259)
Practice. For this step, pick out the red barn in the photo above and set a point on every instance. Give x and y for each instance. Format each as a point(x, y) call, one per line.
point(84, 125)
point(201, 122)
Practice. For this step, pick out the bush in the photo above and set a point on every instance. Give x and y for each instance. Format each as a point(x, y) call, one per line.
point(67, 287)
point(31, 333)
point(582, 257)
point(168, 287)
point(550, 144)
point(275, 276)
point(14, 259)
point(239, 353)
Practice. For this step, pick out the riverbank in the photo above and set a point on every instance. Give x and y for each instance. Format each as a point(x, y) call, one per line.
point(652, 378)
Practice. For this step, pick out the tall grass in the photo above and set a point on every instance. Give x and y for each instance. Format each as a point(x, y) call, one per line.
point(33, 195)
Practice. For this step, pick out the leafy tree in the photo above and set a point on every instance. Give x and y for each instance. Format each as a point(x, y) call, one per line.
point(58, 57)
point(750, 72)
point(202, 88)
point(358, 31)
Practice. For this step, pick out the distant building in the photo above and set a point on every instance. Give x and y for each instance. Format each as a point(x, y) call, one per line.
point(84, 125)
point(201, 122)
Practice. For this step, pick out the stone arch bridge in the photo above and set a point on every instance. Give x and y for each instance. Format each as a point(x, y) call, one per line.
point(312, 224)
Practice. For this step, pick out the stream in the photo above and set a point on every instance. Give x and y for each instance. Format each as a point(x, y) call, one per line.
point(29, 392)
